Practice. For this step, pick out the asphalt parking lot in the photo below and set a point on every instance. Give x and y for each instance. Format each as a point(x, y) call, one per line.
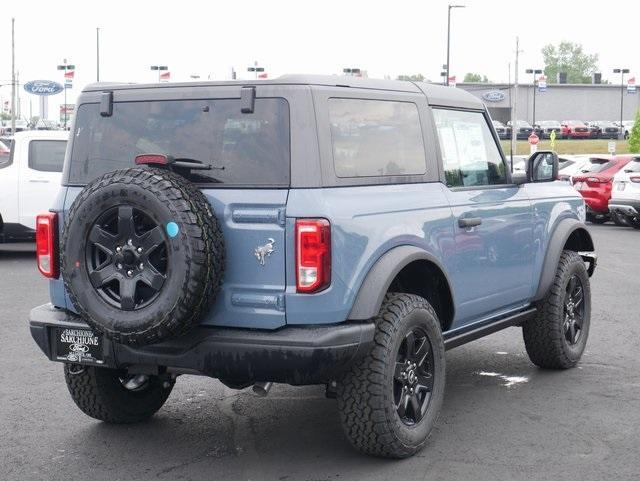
point(503, 419)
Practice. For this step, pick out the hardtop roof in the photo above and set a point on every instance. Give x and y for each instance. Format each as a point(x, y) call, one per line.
point(436, 94)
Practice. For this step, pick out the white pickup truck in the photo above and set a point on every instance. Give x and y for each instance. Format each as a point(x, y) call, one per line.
point(29, 181)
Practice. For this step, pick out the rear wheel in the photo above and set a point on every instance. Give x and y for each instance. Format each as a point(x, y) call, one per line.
point(619, 219)
point(113, 396)
point(634, 222)
point(389, 400)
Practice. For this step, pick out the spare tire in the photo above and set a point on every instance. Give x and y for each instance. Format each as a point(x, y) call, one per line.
point(142, 255)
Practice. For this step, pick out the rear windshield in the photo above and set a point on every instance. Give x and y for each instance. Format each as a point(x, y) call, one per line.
point(243, 149)
point(633, 166)
point(47, 155)
point(596, 165)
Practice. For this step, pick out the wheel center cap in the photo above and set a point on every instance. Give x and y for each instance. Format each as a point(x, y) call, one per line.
point(411, 376)
point(128, 257)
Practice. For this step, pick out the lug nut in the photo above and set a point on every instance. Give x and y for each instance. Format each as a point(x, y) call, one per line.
point(119, 266)
point(139, 250)
point(129, 273)
point(118, 249)
point(141, 266)
point(130, 242)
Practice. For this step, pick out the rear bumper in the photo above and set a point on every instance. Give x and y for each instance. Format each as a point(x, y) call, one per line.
point(294, 355)
point(626, 207)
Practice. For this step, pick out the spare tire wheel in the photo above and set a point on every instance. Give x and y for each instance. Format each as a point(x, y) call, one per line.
point(142, 255)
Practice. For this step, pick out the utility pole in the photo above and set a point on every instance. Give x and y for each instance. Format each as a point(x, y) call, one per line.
point(98, 54)
point(514, 112)
point(13, 77)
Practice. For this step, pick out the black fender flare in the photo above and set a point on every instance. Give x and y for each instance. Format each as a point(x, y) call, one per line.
point(559, 239)
point(377, 281)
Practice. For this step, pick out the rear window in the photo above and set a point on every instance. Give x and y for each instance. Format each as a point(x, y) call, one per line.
point(47, 155)
point(376, 138)
point(596, 165)
point(633, 166)
point(243, 149)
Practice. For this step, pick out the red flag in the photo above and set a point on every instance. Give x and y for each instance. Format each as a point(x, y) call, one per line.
point(68, 74)
point(166, 76)
point(452, 81)
point(262, 75)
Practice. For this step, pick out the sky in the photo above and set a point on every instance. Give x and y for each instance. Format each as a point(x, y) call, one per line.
point(385, 38)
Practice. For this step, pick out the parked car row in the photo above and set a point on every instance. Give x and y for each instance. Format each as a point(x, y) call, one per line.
point(567, 129)
point(610, 186)
point(22, 125)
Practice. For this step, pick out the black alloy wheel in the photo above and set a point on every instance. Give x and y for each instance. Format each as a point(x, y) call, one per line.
point(413, 377)
point(126, 257)
point(573, 310)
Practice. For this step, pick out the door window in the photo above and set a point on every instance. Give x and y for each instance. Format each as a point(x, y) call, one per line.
point(469, 152)
point(47, 155)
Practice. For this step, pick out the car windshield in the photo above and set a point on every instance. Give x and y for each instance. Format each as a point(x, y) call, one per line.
point(596, 165)
point(250, 149)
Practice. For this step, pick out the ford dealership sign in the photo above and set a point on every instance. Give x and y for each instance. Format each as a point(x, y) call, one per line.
point(494, 96)
point(43, 87)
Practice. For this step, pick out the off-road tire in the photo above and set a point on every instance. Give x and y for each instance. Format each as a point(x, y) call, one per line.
point(196, 253)
point(99, 393)
point(544, 335)
point(365, 394)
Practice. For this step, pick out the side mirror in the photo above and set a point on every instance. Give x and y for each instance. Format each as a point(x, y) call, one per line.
point(543, 166)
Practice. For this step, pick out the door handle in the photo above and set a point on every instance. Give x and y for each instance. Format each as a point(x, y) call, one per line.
point(465, 222)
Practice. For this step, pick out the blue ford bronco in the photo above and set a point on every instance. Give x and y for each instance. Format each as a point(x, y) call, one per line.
point(303, 230)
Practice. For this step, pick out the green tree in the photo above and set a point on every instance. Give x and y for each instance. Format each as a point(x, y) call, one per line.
point(569, 57)
point(412, 78)
point(634, 136)
point(475, 77)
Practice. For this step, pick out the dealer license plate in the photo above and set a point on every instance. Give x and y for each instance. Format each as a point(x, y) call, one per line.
point(78, 345)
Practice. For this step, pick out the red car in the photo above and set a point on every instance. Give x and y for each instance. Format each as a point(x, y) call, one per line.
point(594, 182)
point(574, 129)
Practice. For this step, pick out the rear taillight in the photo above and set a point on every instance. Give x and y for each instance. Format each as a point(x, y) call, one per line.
point(313, 255)
point(46, 227)
point(635, 179)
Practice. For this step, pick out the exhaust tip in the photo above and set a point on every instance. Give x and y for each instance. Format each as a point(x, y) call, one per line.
point(262, 388)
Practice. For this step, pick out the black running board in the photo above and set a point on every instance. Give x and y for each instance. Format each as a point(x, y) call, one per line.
point(455, 339)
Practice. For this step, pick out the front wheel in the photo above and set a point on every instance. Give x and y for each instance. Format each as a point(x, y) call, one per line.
point(113, 396)
point(389, 399)
point(557, 336)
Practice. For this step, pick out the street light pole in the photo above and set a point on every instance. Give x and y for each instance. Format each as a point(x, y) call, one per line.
point(97, 54)
point(621, 71)
point(534, 72)
point(449, 37)
point(13, 78)
point(255, 69)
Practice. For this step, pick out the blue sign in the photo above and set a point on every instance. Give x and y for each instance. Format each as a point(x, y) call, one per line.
point(43, 87)
point(494, 96)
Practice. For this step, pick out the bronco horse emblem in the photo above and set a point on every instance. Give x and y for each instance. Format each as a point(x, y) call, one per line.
point(262, 252)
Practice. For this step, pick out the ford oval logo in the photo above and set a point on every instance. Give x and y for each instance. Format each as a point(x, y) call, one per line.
point(494, 96)
point(43, 87)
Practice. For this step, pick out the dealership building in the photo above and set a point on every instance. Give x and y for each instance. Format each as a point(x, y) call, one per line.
point(558, 101)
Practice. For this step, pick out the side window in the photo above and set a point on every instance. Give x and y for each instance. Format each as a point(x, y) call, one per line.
point(376, 138)
point(469, 152)
point(47, 155)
